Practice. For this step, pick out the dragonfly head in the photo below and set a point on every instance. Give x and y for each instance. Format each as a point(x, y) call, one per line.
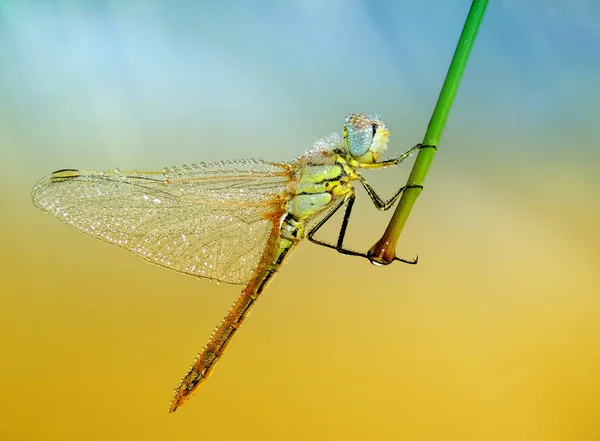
point(365, 137)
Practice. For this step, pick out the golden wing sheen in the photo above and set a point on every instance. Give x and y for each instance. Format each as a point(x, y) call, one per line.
point(207, 220)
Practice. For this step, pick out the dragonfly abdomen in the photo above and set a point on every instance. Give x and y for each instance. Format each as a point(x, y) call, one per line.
point(281, 241)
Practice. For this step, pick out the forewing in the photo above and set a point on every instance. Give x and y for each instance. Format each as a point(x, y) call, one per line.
point(210, 220)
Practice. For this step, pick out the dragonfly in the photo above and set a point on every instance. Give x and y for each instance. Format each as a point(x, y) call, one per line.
point(230, 221)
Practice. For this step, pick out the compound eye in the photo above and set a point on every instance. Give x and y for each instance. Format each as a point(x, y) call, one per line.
point(359, 132)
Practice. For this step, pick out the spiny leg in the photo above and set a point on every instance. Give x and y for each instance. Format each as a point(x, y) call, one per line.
point(339, 246)
point(397, 160)
point(344, 226)
point(386, 205)
point(400, 158)
point(348, 201)
point(379, 203)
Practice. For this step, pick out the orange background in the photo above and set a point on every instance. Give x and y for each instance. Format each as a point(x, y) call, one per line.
point(494, 335)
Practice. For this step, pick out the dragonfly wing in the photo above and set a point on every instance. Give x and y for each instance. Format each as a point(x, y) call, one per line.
point(211, 220)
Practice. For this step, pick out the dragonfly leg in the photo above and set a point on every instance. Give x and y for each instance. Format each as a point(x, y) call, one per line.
point(398, 159)
point(382, 205)
point(339, 246)
point(379, 203)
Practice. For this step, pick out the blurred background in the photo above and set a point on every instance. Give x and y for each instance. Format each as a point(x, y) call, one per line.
point(494, 335)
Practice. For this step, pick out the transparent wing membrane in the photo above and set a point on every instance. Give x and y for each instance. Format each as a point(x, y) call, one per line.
point(209, 220)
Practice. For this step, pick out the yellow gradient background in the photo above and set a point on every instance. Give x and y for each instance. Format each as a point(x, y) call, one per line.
point(494, 335)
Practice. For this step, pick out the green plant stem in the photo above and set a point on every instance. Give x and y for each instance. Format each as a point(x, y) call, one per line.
point(384, 250)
